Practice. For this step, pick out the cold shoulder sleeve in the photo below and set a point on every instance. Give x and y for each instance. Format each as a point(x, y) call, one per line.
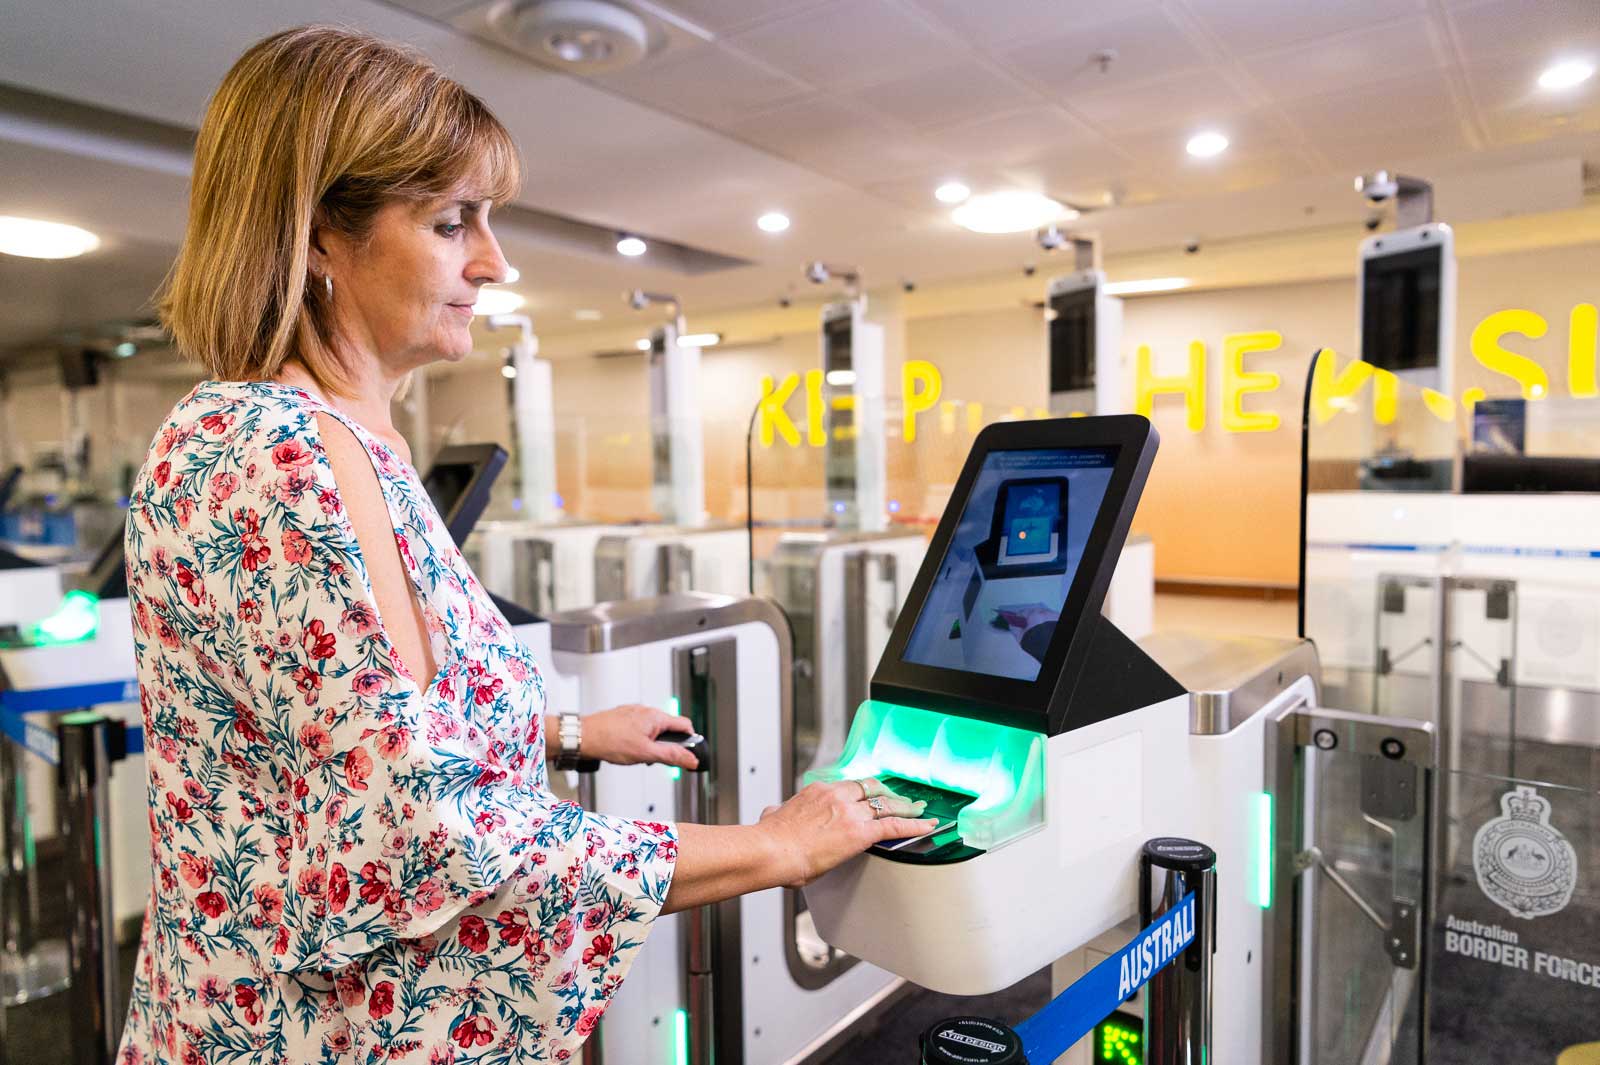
point(373, 808)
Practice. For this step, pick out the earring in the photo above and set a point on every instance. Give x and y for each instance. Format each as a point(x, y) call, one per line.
point(327, 282)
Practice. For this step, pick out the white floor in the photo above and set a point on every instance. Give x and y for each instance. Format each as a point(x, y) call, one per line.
point(1224, 616)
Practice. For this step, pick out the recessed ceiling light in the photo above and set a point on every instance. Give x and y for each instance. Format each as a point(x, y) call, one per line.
point(1205, 145)
point(1565, 74)
point(33, 239)
point(1013, 211)
point(587, 315)
point(496, 301)
point(643, 343)
point(632, 246)
point(1151, 284)
point(951, 192)
point(773, 222)
point(513, 275)
point(841, 378)
point(508, 371)
point(699, 340)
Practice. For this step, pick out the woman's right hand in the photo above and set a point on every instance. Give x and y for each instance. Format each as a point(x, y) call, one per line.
point(824, 825)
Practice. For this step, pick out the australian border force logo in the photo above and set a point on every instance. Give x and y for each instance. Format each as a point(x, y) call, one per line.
point(1523, 864)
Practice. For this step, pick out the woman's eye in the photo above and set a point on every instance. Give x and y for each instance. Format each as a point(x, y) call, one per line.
point(450, 229)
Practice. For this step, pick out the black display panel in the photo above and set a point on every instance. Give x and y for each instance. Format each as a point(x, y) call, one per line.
point(1400, 307)
point(1072, 338)
point(1051, 498)
point(459, 482)
point(838, 357)
point(996, 602)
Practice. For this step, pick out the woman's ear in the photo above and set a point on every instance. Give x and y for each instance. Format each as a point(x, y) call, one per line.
point(317, 257)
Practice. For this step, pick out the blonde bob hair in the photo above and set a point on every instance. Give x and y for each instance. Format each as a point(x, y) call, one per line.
point(315, 126)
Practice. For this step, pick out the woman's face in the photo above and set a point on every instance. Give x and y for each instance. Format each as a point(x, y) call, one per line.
point(405, 294)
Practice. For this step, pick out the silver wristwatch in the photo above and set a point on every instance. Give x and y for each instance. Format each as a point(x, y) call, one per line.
point(571, 733)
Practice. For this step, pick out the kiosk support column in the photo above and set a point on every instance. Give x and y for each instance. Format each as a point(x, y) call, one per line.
point(1177, 1015)
point(89, 744)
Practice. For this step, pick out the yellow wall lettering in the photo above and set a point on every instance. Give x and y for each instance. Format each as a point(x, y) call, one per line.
point(1331, 390)
point(974, 418)
point(1583, 351)
point(1439, 405)
point(915, 400)
point(1385, 396)
point(1472, 397)
point(771, 416)
point(1236, 383)
point(947, 417)
point(1146, 385)
point(1521, 369)
point(815, 436)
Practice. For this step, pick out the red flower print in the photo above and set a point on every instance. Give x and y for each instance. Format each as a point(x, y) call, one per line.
point(256, 549)
point(357, 768)
point(217, 423)
point(337, 1042)
point(190, 584)
point(250, 611)
point(486, 693)
point(588, 1020)
point(184, 506)
point(179, 808)
point(513, 925)
point(562, 936)
point(328, 500)
point(351, 993)
point(598, 950)
point(244, 719)
point(211, 903)
point(245, 997)
point(374, 882)
point(309, 681)
point(315, 739)
point(223, 485)
point(170, 437)
point(596, 917)
point(280, 940)
point(473, 933)
point(318, 641)
point(270, 899)
point(194, 869)
point(358, 620)
point(313, 883)
point(428, 896)
point(162, 473)
point(370, 683)
point(393, 741)
point(166, 633)
point(474, 1031)
point(381, 1000)
point(291, 455)
point(338, 888)
point(296, 548)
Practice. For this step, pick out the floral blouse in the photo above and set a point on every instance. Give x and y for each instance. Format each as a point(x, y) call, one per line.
point(349, 865)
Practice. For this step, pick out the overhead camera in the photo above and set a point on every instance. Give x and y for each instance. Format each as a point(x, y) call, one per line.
point(1191, 246)
point(638, 300)
point(785, 301)
point(1378, 186)
point(1050, 238)
point(1029, 269)
point(908, 285)
point(1373, 221)
point(817, 273)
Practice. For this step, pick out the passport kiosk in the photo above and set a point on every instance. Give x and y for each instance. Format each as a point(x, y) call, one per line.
point(1048, 744)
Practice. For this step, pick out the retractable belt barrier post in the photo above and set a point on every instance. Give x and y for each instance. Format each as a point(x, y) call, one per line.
point(1172, 953)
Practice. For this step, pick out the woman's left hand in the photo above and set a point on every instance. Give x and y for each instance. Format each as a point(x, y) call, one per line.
point(629, 735)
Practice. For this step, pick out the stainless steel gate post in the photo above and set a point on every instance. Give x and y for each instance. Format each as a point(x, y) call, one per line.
point(89, 744)
point(1177, 1014)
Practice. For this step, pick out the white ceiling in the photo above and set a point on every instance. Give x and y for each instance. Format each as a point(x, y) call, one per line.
point(845, 114)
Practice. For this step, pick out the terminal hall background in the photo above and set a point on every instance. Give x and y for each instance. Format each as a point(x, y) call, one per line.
point(1221, 506)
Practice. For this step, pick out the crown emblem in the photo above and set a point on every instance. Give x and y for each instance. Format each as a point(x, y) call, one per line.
point(1523, 864)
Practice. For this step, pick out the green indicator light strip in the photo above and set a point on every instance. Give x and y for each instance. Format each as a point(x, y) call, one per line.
point(680, 1024)
point(1263, 814)
point(77, 618)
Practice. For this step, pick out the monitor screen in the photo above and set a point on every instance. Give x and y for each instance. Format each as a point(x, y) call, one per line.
point(459, 482)
point(1400, 296)
point(1072, 340)
point(447, 485)
point(996, 599)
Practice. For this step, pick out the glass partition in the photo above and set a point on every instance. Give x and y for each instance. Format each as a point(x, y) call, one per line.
point(1451, 573)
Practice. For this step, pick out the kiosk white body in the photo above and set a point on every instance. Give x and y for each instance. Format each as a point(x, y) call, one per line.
point(652, 560)
point(1084, 345)
point(540, 566)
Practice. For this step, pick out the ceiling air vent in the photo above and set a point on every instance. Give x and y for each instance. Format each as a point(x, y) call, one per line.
point(578, 36)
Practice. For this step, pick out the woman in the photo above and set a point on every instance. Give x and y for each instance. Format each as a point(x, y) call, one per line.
point(356, 853)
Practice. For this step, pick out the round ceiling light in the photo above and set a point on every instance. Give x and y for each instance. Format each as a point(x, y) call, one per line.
point(581, 36)
point(1207, 144)
point(1012, 211)
point(496, 301)
point(33, 239)
point(632, 247)
point(773, 222)
point(951, 192)
point(1565, 75)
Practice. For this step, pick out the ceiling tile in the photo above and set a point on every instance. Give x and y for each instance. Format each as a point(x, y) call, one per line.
point(916, 192)
point(722, 16)
point(1196, 97)
point(1017, 137)
point(1415, 101)
point(1346, 60)
point(833, 138)
point(944, 95)
point(1091, 179)
point(706, 83)
point(1550, 29)
point(996, 22)
point(1249, 26)
point(1511, 85)
point(850, 43)
point(1148, 43)
point(1398, 148)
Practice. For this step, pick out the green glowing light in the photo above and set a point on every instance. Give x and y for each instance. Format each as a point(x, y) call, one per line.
point(1117, 1039)
point(77, 618)
point(680, 1021)
point(1002, 767)
point(1263, 813)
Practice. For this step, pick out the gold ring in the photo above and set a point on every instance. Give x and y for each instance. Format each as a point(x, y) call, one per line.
point(866, 795)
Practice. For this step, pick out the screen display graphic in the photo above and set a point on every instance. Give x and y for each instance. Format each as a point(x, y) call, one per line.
point(1400, 301)
point(997, 597)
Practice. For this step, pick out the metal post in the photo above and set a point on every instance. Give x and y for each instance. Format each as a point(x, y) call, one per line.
point(88, 747)
point(1177, 1014)
point(33, 968)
